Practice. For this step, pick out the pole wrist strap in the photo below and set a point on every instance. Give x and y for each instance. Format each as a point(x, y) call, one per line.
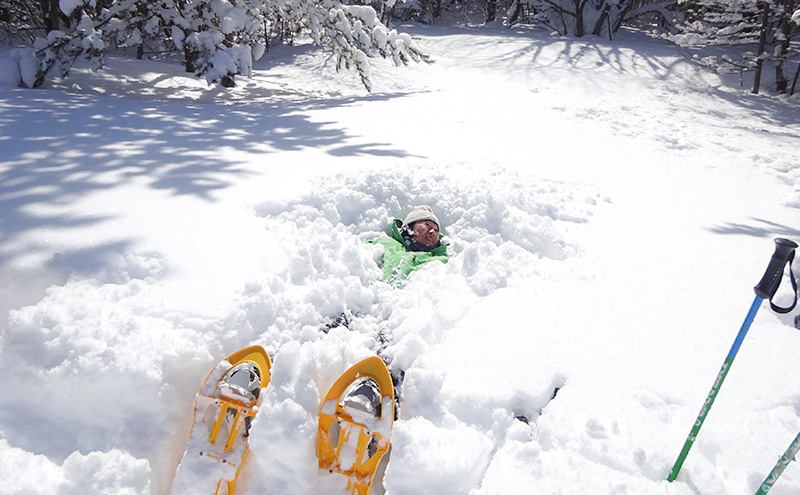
point(779, 309)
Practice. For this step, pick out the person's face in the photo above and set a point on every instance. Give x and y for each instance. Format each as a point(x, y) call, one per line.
point(426, 232)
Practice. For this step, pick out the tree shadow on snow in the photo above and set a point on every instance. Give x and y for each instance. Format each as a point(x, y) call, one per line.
point(630, 52)
point(759, 228)
point(60, 147)
point(530, 50)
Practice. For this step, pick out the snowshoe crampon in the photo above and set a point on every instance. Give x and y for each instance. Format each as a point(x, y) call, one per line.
point(355, 424)
point(223, 411)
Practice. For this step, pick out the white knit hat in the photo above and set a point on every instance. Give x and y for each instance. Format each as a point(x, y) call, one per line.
point(422, 212)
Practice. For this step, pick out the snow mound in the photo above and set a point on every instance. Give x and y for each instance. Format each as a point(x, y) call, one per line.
point(111, 339)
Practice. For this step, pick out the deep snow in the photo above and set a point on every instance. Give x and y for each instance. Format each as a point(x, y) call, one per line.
point(610, 207)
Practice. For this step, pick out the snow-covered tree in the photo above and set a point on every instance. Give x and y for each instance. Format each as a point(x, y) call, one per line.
point(761, 29)
point(596, 17)
point(352, 31)
point(19, 20)
point(566, 17)
point(795, 20)
point(783, 38)
point(59, 50)
point(721, 22)
point(219, 38)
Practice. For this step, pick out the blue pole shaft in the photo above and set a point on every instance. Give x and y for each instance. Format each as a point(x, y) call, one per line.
point(748, 320)
point(712, 395)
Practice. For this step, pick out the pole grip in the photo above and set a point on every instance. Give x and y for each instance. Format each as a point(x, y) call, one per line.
point(784, 252)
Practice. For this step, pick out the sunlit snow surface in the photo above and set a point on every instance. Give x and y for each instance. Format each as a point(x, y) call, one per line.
point(609, 208)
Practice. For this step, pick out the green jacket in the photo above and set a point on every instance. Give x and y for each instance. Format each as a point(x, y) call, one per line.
point(398, 261)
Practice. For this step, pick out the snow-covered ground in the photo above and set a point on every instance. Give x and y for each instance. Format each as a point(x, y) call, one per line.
point(610, 207)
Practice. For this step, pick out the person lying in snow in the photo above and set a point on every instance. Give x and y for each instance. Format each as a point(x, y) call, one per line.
point(412, 243)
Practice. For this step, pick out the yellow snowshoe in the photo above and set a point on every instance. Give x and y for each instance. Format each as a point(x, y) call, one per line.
point(223, 411)
point(355, 424)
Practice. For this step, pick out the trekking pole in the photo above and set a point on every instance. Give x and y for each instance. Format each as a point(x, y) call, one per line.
point(784, 461)
point(766, 288)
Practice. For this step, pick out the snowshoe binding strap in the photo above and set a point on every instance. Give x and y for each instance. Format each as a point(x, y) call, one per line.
point(768, 286)
point(362, 397)
point(243, 380)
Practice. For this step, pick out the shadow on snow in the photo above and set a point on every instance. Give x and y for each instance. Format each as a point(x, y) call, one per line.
point(58, 148)
point(759, 228)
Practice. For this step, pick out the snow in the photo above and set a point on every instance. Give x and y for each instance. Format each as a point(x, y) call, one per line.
point(69, 6)
point(609, 205)
point(18, 66)
point(10, 70)
point(177, 36)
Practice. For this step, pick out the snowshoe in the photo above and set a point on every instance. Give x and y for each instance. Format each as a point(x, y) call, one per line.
point(355, 424)
point(223, 412)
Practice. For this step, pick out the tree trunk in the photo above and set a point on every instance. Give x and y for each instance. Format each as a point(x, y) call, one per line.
point(624, 8)
point(517, 12)
point(190, 57)
point(491, 10)
point(794, 81)
point(598, 27)
point(781, 79)
point(762, 42)
point(50, 14)
point(579, 31)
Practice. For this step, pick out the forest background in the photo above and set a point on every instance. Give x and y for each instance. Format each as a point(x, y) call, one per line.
point(220, 39)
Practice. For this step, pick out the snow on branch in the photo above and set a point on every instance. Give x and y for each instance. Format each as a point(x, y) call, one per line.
point(219, 38)
point(354, 33)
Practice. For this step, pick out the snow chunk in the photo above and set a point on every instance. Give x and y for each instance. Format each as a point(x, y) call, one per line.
point(258, 51)
point(69, 6)
point(25, 472)
point(227, 25)
point(28, 67)
point(153, 26)
point(430, 459)
point(365, 13)
point(106, 473)
point(9, 71)
point(177, 37)
point(19, 68)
